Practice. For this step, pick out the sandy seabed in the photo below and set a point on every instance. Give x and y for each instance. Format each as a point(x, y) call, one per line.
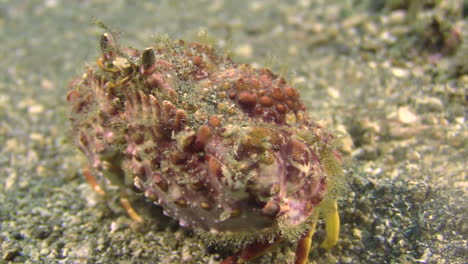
point(393, 87)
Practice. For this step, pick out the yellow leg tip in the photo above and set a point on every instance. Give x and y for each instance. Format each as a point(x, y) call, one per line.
point(130, 211)
point(332, 223)
point(93, 182)
point(304, 244)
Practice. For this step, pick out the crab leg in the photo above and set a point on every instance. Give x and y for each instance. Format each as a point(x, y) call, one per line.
point(129, 209)
point(329, 210)
point(332, 223)
point(123, 199)
point(251, 251)
point(303, 246)
point(93, 182)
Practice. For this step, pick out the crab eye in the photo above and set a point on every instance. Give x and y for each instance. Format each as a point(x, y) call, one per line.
point(147, 58)
point(107, 42)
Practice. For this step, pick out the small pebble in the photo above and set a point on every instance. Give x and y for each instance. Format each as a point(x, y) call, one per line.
point(400, 73)
point(419, 196)
point(397, 17)
point(406, 115)
point(186, 256)
point(45, 252)
point(357, 233)
point(244, 50)
point(41, 232)
point(35, 109)
point(11, 254)
point(47, 84)
point(430, 104)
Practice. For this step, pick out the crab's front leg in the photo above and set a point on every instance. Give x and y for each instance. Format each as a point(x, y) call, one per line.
point(93, 182)
point(129, 209)
point(251, 251)
point(329, 210)
point(303, 246)
point(123, 198)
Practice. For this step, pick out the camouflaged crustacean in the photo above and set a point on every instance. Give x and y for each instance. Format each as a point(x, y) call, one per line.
point(226, 149)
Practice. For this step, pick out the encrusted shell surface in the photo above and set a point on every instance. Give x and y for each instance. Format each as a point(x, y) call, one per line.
point(220, 146)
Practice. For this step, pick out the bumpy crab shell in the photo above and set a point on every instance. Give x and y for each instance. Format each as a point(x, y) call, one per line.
point(222, 147)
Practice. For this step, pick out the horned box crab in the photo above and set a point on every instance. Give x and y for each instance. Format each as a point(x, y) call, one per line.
point(226, 149)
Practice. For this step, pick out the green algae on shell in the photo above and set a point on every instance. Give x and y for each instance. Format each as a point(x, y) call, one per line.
point(225, 149)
